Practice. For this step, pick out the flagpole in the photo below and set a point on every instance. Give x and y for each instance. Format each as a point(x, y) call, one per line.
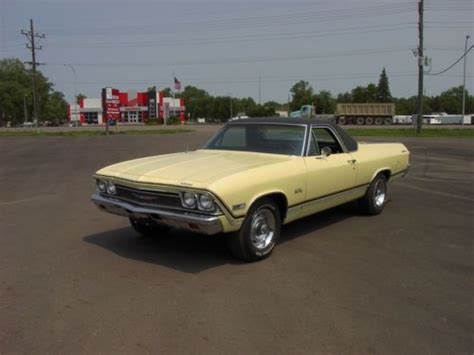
point(174, 93)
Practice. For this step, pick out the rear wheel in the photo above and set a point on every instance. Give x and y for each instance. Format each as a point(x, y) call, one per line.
point(387, 121)
point(259, 233)
point(342, 121)
point(369, 121)
point(360, 121)
point(379, 121)
point(146, 226)
point(375, 198)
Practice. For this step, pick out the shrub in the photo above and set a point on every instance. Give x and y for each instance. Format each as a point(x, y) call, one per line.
point(173, 121)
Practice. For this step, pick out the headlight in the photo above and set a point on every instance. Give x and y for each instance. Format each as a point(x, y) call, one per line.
point(188, 200)
point(111, 189)
point(101, 185)
point(206, 202)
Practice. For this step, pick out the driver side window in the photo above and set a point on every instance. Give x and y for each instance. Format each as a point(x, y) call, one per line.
point(323, 137)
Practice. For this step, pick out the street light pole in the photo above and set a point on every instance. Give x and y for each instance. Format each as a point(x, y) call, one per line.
point(75, 87)
point(25, 111)
point(463, 110)
point(231, 108)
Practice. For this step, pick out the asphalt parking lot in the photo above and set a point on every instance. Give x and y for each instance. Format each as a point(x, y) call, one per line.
point(74, 280)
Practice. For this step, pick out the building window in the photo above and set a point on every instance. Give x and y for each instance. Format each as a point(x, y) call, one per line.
point(91, 117)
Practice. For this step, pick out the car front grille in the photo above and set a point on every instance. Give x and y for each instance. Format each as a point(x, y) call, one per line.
point(148, 198)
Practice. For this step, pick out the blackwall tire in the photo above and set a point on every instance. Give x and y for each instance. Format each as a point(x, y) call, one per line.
point(375, 198)
point(259, 233)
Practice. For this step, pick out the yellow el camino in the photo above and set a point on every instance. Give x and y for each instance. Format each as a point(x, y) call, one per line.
point(252, 177)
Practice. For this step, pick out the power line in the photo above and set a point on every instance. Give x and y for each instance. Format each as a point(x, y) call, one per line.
point(452, 65)
point(307, 16)
point(272, 58)
point(247, 38)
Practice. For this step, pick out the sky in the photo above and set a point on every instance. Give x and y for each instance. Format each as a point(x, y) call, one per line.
point(241, 48)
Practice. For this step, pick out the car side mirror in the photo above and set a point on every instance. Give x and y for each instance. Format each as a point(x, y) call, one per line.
point(326, 151)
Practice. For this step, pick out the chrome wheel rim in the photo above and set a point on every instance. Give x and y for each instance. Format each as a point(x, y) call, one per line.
point(380, 193)
point(262, 228)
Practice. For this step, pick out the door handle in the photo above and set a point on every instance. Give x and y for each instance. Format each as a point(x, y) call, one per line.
point(352, 161)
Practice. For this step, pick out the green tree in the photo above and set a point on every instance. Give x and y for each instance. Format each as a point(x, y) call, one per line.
point(15, 84)
point(364, 94)
point(325, 102)
point(167, 92)
point(56, 107)
point(275, 105)
point(450, 101)
point(383, 88)
point(405, 106)
point(345, 97)
point(359, 94)
point(265, 110)
point(302, 94)
point(196, 102)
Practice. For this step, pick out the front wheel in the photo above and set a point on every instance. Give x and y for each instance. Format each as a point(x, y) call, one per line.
point(259, 233)
point(376, 196)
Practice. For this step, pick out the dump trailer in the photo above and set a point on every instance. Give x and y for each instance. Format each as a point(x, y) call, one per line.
point(365, 114)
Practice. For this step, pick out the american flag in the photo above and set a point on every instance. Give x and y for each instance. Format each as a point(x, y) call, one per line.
point(177, 84)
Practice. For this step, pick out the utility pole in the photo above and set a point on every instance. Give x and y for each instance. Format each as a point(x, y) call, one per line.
point(259, 90)
point(419, 116)
point(31, 36)
point(463, 110)
point(288, 105)
point(24, 108)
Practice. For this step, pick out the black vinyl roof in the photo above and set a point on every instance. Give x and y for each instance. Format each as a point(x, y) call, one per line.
point(349, 142)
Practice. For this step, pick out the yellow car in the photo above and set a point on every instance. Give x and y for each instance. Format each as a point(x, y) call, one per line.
point(252, 177)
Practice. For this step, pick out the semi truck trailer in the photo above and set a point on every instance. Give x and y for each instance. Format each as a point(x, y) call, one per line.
point(365, 114)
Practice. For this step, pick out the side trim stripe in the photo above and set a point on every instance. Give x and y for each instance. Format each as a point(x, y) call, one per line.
point(328, 195)
point(399, 173)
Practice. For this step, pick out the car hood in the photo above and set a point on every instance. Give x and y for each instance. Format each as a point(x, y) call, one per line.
point(198, 168)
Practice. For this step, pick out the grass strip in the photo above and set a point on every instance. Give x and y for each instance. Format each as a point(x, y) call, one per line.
point(408, 132)
point(89, 133)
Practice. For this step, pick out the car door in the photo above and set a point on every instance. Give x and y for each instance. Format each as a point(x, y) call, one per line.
point(328, 174)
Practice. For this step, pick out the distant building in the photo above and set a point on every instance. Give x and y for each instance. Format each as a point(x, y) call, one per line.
point(135, 107)
point(281, 113)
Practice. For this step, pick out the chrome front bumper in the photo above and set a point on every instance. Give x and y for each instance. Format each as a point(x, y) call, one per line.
point(191, 221)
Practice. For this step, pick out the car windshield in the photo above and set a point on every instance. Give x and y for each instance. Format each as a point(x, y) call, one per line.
point(260, 138)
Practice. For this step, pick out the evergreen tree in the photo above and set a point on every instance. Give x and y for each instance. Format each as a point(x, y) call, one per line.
point(383, 89)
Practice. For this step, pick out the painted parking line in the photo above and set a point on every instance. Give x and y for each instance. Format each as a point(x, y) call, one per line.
point(23, 200)
point(434, 192)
